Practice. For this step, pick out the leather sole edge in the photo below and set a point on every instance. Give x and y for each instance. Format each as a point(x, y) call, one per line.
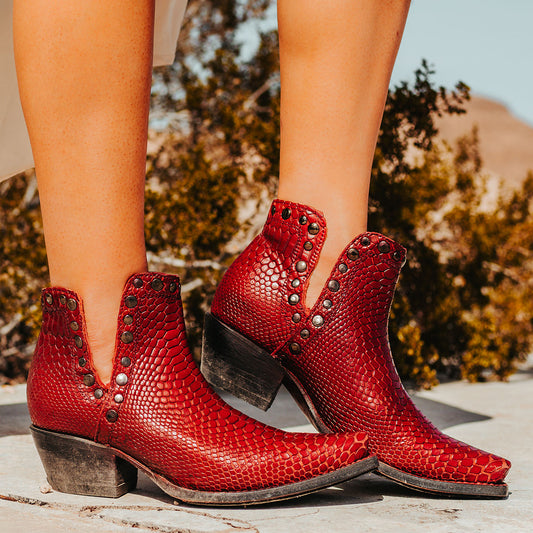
point(444, 488)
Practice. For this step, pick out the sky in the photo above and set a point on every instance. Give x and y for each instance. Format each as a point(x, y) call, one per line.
point(488, 44)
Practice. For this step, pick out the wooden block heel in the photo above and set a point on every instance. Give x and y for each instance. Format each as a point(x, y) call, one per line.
point(80, 466)
point(233, 363)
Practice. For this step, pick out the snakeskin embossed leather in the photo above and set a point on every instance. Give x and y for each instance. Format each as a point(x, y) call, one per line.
point(158, 409)
point(338, 352)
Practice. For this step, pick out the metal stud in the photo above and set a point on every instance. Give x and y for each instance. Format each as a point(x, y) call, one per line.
point(74, 326)
point(365, 241)
point(317, 321)
point(125, 361)
point(384, 247)
point(128, 319)
point(130, 301)
point(286, 213)
point(156, 284)
point(295, 348)
point(137, 283)
point(301, 266)
point(295, 283)
point(88, 380)
point(302, 220)
point(78, 341)
point(327, 304)
point(294, 299)
point(49, 299)
point(172, 287)
point(118, 398)
point(333, 285)
point(343, 267)
point(353, 254)
point(111, 415)
point(296, 318)
point(397, 255)
point(121, 379)
point(272, 209)
point(62, 299)
point(308, 245)
point(98, 393)
point(82, 361)
point(72, 304)
point(126, 337)
point(304, 334)
point(313, 228)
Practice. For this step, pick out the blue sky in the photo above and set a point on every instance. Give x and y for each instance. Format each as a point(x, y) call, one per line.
point(488, 44)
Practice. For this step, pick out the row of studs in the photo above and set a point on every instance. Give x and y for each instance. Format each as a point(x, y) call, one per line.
point(286, 213)
point(317, 320)
point(314, 228)
point(74, 326)
point(63, 300)
point(72, 305)
point(333, 286)
point(301, 266)
point(383, 247)
point(127, 337)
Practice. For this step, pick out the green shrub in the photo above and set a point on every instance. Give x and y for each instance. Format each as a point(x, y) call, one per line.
point(464, 304)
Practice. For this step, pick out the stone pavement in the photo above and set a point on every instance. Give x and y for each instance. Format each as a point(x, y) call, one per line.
point(494, 416)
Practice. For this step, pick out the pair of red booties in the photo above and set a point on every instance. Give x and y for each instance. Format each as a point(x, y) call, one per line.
point(158, 413)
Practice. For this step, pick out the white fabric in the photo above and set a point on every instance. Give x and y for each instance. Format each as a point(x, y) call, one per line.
point(168, 19)
point(15, 150)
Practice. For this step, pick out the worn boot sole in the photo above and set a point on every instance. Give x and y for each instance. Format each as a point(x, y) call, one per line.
point(233, 363)
point(80, 466)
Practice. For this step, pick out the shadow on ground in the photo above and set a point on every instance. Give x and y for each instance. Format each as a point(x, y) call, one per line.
point(348, 493)
point(285, 413)
point(15, 419)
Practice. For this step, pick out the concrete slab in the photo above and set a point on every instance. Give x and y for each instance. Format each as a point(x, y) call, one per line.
point(494, 416)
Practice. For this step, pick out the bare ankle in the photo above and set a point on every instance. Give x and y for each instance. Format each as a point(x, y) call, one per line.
point(333, 247)
point(101, 311)
point(318, 279)
point(102, 348)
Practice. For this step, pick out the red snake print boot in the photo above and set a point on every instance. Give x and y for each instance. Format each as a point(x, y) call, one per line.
point(335, 358)
point(159, 415)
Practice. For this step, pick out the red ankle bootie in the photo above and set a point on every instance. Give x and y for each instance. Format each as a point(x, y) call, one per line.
point(335, 359)
point(159, 415)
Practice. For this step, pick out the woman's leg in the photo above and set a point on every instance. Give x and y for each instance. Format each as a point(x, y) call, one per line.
point(87, 116)
point(336, 62)
point(84, 68)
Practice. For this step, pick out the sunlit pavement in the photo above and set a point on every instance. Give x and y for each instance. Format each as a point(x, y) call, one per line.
point(494, 416)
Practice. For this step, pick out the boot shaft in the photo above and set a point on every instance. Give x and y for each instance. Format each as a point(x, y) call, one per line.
point(263, 293)
point(64, 391)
